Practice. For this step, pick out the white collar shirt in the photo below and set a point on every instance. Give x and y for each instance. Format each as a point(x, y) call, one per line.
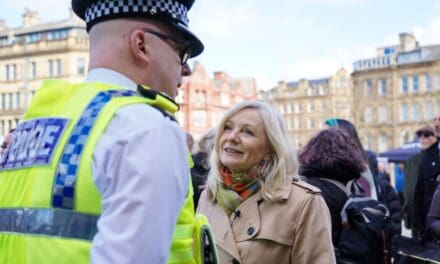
point(140, 167)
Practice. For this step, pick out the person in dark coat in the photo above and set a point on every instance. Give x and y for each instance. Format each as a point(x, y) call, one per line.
point(433, 220)
point(332, 158)
point(426, 181)
point(426, 138)
point(425, 187)
point(199, 172)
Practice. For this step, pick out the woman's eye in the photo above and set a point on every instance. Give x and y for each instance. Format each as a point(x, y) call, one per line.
point(249, 132)
point(227, 127)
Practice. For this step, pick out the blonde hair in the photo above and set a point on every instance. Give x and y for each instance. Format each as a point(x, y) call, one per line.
point(275, 173)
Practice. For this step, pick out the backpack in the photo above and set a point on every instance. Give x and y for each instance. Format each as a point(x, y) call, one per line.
point(366, 232)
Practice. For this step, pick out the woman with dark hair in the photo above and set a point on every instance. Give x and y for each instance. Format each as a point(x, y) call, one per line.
point(331, 159)
point(367, 180)
point(371, 184)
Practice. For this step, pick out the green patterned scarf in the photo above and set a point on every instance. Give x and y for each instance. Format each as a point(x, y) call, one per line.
point(235, 189)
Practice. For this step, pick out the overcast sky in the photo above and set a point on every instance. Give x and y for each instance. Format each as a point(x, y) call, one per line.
point(284, 39)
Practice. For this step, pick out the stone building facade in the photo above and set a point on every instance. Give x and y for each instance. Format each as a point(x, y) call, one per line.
point(34, 52)
point(396, 92)
point(306, 104)
point(204, 99)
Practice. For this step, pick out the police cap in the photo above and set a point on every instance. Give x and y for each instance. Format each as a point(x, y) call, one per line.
point(171, 12)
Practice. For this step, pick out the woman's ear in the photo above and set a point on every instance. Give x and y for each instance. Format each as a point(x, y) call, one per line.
point(140, 46)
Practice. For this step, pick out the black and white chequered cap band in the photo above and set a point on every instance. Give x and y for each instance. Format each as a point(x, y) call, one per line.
point(104, 8)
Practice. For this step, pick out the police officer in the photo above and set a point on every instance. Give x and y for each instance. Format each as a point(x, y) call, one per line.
point(97, 172)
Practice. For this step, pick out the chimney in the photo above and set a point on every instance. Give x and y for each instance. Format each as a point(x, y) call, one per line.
point(30, 18)
point(408, 41)
point(282, 86)
point(220, 75)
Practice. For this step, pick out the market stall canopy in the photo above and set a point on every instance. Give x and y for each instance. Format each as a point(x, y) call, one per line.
point(402, 153)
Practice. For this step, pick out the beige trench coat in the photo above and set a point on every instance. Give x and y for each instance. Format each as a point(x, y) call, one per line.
point(296, 230)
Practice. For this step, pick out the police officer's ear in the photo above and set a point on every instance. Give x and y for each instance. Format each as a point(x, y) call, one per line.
point(140, 46)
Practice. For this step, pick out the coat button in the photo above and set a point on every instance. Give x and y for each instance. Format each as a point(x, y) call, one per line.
point(234, 261)
point(250, 231)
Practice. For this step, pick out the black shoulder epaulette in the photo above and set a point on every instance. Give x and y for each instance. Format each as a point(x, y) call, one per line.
point(153, 95)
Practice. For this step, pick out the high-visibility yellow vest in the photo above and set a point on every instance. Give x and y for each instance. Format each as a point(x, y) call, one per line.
point(49, 204)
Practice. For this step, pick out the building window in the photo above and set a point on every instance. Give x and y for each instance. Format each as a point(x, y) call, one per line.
point(224, 98)
point(199, 118)
point(383, 114)
point(10, 101)
point(416, 112)
point(33, 70)
point(382, 88)
point(81, 66)
point(57, 34)
point(309, 107)
point(3, 103)
point(58, 67)
point(17, 101)
point(309, 123)
point(368, 86)
point(383, 142)
point(404, 84)
point(214, 119)
point(296, 123)
point(437, 81)
point(322, 90)
point(404, 137)
point(200, 97)
point(14, 72)
point(292, 108)
point(416, 83)
point(428, 83)
point(33, 37)
point(289, 124)
point(428, 111)
point(404, 112)
point(368, 115)
point(7, 72)
point(50, 69)
point(370, 141)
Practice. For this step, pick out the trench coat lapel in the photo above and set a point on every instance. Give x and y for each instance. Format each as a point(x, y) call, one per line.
point(248, 224)
point(223, 232)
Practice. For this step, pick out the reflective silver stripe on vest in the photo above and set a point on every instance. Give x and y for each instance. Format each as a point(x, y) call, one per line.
point(49, 222)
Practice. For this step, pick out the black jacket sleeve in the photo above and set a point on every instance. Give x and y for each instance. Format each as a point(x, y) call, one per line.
point(419, 192)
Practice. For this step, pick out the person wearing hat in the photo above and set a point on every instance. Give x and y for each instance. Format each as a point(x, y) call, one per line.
point(426, 138)
point(98, 171)
point(426, 180)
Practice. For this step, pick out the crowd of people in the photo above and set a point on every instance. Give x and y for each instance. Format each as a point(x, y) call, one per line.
point(101, 171)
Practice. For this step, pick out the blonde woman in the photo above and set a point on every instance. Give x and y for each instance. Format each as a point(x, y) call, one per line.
point(259, 211)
